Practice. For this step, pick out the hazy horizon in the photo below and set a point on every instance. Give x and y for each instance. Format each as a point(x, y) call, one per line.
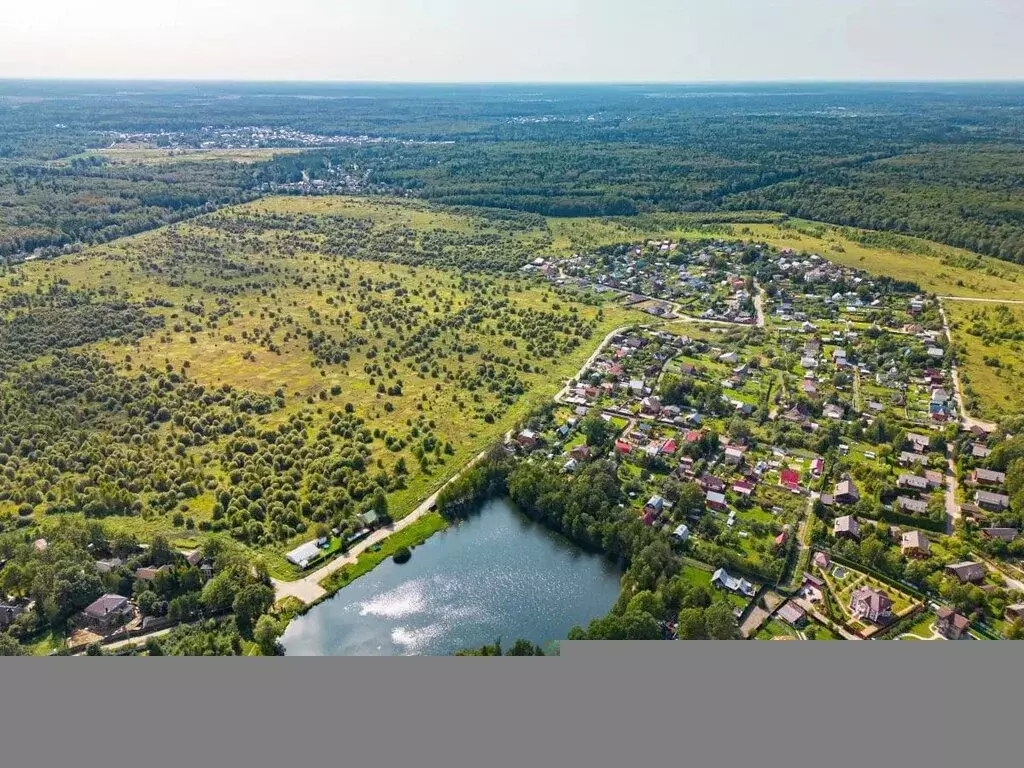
point(533, 42)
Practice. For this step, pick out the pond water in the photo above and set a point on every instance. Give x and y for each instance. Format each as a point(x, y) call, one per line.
point(497, 574)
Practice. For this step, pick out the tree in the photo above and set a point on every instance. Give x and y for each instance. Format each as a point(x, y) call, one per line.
point(219, 593)
point(524, 648)
point(153, 647)
point(720, 623)
point(160, 552)
point(647, 602)
point(145, 601)
point(691, 624)
point(250, 603)
point(9, 646)
point(268, 630)
point(597, 431)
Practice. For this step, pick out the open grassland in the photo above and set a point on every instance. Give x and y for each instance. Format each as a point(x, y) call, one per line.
point(990, 342)
point(282, 366)
point(145, 155)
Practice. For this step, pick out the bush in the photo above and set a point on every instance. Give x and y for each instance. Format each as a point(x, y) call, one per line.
point(402, 555)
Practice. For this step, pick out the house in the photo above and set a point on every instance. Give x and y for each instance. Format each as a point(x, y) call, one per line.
point(580, 452)
point(681, 533)
point(982, 476)
point(570, 466)
point(967, 572)
point(743, 487)
point(911, 506)
point(913, 482)
point(995, 502)
point(655, 504)
point(950, 624)
point(733, 456)
point(527, 438)
point(621, 446)
point(650, 405)
point(822, 560)
point(303, 554)
point(716, 500)
point(789, 478)
point(193, 557)
point(915, 544)
point(935, 352)
point(1014, 612)
point(149, 573)
point(108, 565)
point(729, 357)
point(723, 580)
point(792, 614)
point(846, 492)
point(846, 526)
point(831, 411)
point(1003, 534)
point(934, 478)
point(108, 612)
point(712, 483)
point(980, 451)
point(817, 466)
point(907, 458)
point(918, 442)
point(871, 605)
point(369, 518)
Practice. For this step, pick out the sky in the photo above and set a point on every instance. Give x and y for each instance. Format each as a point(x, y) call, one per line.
point(514, 40)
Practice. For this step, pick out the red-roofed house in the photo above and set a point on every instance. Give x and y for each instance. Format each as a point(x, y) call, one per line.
point(789, 478)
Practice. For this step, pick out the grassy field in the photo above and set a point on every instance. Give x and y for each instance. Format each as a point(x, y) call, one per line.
point(991, 343)
point(246, 305)
point(144, 155)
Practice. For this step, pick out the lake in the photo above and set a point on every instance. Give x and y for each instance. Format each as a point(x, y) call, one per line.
point(497, 574)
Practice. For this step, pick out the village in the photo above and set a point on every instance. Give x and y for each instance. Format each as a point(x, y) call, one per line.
point(793, 426)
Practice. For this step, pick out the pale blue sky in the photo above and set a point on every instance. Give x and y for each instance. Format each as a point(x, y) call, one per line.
point(514, 40)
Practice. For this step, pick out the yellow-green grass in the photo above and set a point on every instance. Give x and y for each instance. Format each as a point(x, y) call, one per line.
point(410, 536)
point(992, 391)
point(213, 359)
point(939, 269)
point(147, 155)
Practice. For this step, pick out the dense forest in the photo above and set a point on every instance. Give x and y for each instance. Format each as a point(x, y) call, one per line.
point(938, 161)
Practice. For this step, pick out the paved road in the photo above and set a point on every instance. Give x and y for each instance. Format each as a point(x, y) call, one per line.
point(759, 304)
point(952, 508)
